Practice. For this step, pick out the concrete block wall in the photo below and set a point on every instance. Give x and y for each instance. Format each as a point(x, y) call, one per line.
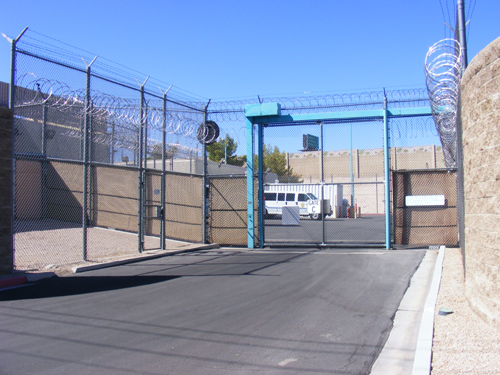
point(480, 88)
point(5, 190)
point(366, 163)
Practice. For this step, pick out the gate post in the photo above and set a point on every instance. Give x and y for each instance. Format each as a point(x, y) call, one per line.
point(260, 151)
point(250, 186)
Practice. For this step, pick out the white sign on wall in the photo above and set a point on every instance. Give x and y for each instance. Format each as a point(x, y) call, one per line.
point(425, 200)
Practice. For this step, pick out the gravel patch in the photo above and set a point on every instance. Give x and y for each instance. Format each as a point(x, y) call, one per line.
point(51, 245)
point(463, 343)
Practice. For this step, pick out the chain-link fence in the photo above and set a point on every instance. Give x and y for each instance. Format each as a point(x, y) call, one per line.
point(425, 207)
point(424, 190)
point(227, 215)
point(103, 166)
point(342, 166)
point(101, 155)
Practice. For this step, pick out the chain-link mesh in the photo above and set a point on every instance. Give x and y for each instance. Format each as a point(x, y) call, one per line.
point(228, 211)
point(419, 170)
point(96, 151)
point(348, 175)
point(426, 222)
point(89, 156)
point(48, 213)
point(183, 207)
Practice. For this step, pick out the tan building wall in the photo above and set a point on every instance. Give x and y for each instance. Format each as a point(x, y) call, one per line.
point(480, 89)
point(368, 168)
point(367, 163)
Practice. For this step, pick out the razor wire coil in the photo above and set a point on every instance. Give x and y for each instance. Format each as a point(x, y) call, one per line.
point(443, 72)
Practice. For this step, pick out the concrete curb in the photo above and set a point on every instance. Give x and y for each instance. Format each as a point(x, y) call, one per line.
point(12, 282)
point(423, 355)
point(16, 281)
point(143, 257)
point(398, 354)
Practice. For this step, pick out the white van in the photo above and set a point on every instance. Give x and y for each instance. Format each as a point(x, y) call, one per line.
point(307, 202)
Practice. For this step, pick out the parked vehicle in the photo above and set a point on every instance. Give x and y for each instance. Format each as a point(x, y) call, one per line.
point(307, 202)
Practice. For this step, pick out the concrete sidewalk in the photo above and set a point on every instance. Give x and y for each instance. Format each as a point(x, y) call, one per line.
point(408, 349)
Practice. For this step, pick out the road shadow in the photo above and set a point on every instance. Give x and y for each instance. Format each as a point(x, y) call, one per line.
point(75, 285)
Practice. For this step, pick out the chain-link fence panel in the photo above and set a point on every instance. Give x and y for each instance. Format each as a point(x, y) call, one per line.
point(332, 174)
point(419, 176)
point(113, 206)
point(69, 123)
point(48, 214)
point(184, 207)
point(415, 144)
point(227, 220)
point(425, 208)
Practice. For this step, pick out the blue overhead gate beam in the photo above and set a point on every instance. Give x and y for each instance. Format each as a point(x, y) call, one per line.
point(270, 114)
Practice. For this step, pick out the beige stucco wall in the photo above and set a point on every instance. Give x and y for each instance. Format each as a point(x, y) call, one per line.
point(480, 89)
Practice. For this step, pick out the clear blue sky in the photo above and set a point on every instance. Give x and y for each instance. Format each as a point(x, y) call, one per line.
point(232, 49)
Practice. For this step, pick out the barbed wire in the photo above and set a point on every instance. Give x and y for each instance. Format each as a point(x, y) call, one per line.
point(123, 115)
point(101, 106)
point(233, 110)
point(38, 44)
point(443, 73)
point(60, 95)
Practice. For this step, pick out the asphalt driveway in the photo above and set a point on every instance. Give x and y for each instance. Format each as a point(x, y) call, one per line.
point(227, 311)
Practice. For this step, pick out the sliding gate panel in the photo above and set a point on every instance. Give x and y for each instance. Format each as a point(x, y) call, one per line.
point(333, 174)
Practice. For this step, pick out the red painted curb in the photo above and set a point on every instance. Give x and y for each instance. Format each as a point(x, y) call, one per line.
point(15, 281)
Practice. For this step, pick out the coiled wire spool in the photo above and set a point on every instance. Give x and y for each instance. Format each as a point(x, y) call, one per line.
point(208, 132)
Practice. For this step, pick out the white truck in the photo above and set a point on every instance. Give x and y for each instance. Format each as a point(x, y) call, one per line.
point(307, 202)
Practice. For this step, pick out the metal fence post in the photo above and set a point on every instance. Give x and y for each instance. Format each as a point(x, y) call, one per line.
point(112, 143)
point(140, 188)
point(86, 160)
point(260, 141)
point(250, 188)
point(386, 176)
point(12, 93)
point(44, 160)
point(163, 168)
point(205, 180)
point(322, 182)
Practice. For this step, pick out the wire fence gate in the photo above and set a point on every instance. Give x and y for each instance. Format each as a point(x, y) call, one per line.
point(332, 197)
point(340, 198)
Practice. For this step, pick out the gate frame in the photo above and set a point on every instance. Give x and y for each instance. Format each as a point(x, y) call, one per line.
point(269, 115)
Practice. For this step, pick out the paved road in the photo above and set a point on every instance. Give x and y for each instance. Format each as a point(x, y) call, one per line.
point(211, 312)
point(368, 229)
